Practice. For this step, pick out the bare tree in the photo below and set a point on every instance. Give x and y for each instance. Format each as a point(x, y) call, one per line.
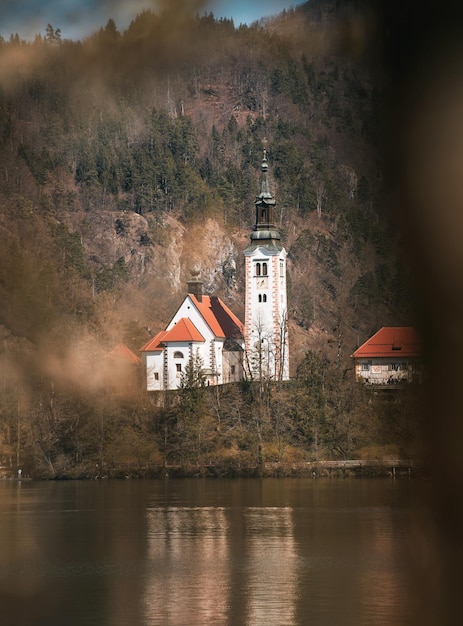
point(320, 192)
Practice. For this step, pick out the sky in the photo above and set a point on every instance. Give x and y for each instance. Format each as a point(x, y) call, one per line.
point(79, 18)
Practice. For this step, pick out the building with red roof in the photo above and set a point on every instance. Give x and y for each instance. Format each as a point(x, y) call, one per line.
point(392, 355)
point(122, 371)
point(203, 327)
point(123, 353)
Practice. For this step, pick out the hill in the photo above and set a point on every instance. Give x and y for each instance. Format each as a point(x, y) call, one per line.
point(129, 157)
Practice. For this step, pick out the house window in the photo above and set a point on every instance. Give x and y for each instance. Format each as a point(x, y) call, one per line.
point(258, 269)
point(395, 367)
point(178, 355)
point(178, 367)
point(264, 269)
point(156, 375)
point(365, 367)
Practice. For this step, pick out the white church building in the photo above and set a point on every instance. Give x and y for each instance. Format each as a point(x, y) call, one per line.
point(205, 327)
point(202, 327)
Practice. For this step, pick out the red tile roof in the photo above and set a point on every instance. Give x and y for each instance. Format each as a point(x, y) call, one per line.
point(222, 322)
point(154, 344)
point(124, 353)
point(391, 341)
point(184, 330)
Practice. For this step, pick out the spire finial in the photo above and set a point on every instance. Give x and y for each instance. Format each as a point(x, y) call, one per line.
point(264, 166)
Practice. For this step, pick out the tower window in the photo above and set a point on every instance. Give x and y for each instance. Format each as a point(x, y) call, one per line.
point(264, 269)
point(260, 297)
point(264, 298)
point(258, 270)
point(178, 367)
point(178, 355)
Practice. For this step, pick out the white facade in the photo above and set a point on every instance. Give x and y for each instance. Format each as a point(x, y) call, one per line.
point(210, 351)
point(383, 371)
point(266, 332)
point(196, 332)
point(164, 368)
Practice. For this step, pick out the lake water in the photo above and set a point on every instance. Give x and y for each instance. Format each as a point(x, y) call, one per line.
point(280, 552)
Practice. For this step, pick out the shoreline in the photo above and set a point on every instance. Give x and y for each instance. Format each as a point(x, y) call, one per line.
point(361, 468)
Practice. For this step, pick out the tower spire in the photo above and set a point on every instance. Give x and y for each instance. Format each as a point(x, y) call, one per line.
point(266, 335)
point(265, 197)
point(264, 232)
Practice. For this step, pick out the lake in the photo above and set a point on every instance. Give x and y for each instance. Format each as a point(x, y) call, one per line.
point(184, 552)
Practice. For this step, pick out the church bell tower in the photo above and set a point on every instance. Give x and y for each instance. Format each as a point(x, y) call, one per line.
point(266, 324)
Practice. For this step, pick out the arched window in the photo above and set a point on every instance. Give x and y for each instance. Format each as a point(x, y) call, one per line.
point(257, 269)
point(264, 269)
point(260, 297)
point(264, 298)
point(178, 355)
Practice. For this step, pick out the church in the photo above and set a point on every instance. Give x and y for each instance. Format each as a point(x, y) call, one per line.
point(204, 328)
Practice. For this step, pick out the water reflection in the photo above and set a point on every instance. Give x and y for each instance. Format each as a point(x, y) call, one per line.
point(187, 553)
point(212, 565)
point(187, 572)
point(382, 581)
point(271, 567)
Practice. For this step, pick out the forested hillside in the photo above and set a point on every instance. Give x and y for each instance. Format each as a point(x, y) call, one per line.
point(129, 157)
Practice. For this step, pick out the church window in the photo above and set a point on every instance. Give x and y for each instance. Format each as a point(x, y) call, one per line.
point(264, 298)
point(178, 367)
point(264, 269)
point(178, 355)
point(260, 297)
point(257, 269)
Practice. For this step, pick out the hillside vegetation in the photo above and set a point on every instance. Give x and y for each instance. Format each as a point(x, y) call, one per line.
point(129, 157)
